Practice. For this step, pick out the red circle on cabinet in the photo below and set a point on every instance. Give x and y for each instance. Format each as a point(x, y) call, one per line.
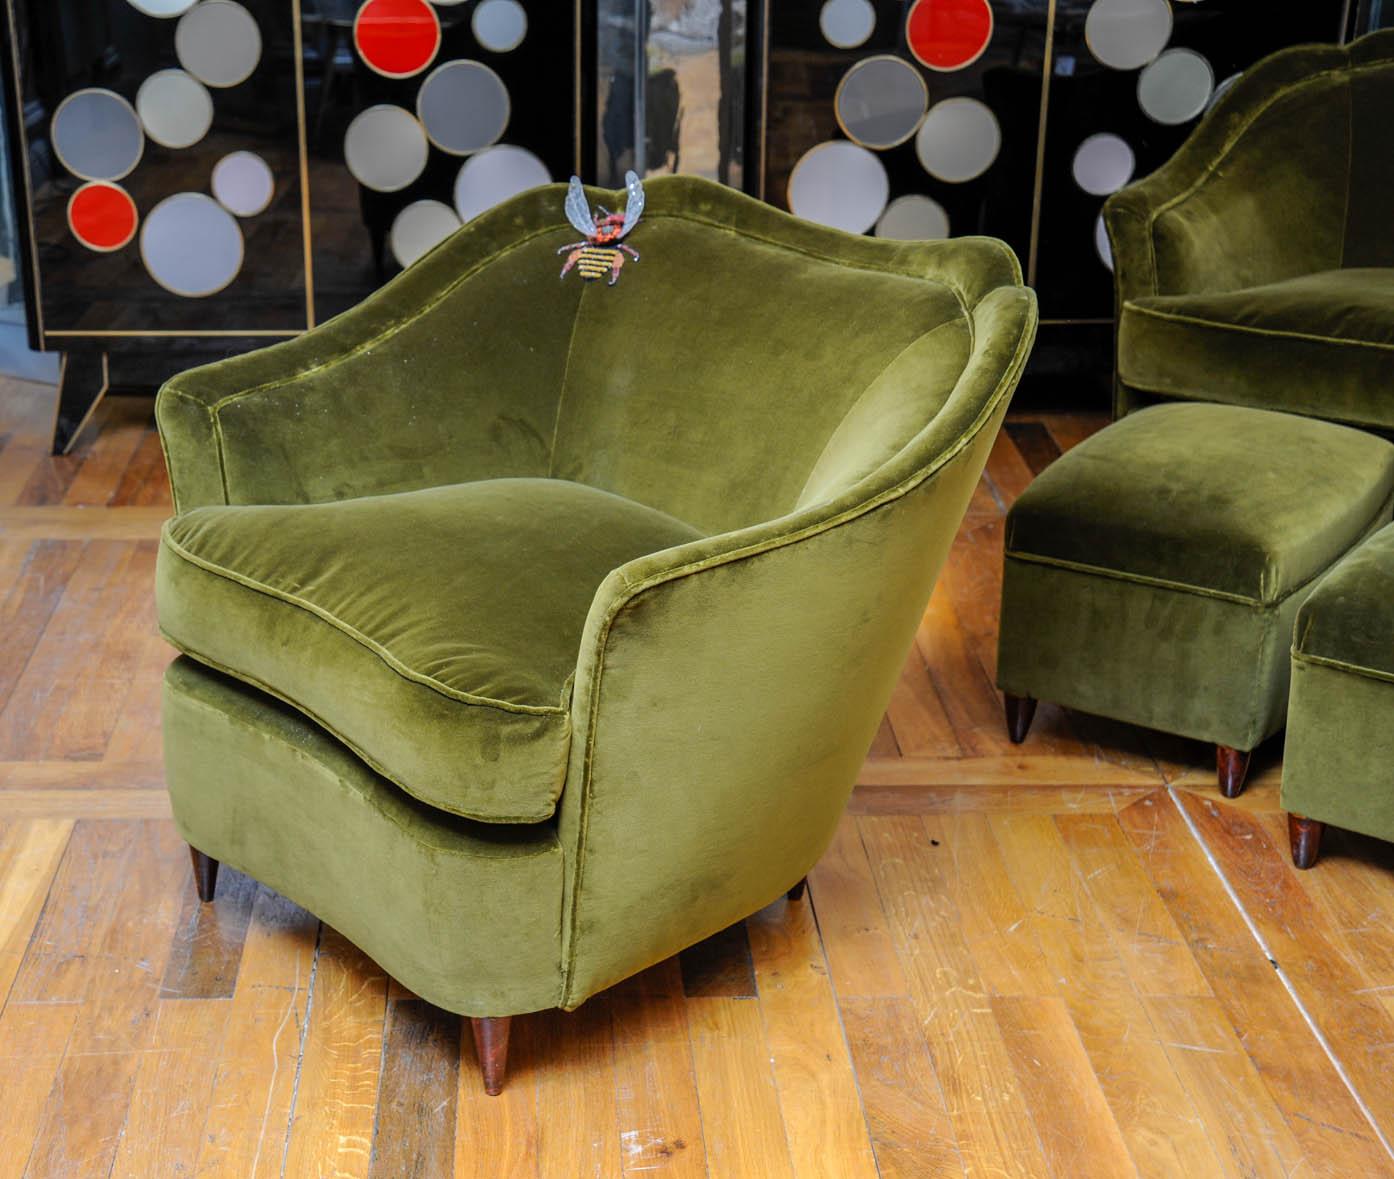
point(102, 216)
point(948, 34)
point(397, 38)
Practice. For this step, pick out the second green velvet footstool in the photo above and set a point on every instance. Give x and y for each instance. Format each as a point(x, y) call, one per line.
point(1152, 574)
point(1338, 759)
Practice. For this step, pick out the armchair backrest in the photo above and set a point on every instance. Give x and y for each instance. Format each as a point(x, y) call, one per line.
point(749, 363)
point(1288, 174)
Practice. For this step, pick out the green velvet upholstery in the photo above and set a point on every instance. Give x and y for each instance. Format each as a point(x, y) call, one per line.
point(428, 630)
point(467, 914)
point(1338, 757)
point(1153, 573)
point(1256, 266)
point(683, 527)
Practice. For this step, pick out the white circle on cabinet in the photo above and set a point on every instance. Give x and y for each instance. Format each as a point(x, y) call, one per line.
point(839, 184)
point(845, 24)
point(1126, 34)
point(913, 218)
point(1103, 164)
point(492, 176)
point(162, 8)
point(175, 108)
point(242, 183)
point(385, 148)
point(191, 245)
point(499, 25)
point(1176, 87)
point(1101, 242)
point(419, 228)
point(958, 140)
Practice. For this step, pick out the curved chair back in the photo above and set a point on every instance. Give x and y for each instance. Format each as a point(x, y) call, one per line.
point(1288, 174)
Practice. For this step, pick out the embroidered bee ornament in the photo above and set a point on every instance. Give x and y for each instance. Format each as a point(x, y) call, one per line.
point(603, 250)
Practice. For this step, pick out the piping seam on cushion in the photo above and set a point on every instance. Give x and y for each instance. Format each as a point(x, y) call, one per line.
point(1205, 397)
point(1199, 591)
point(371, 762)
point(377, 648)
point(1371, 526)
point(1369, 673)
point(1246, 329)
point(296, 751)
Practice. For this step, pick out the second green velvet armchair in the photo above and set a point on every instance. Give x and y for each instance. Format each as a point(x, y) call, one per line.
point(534, 630)
point(1256, 267)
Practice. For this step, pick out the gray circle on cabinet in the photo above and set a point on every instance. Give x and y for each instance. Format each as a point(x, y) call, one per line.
point(96, 135)
point(464, 106)
point(880, 101)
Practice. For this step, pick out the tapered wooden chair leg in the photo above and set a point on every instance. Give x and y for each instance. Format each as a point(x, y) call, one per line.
point(796, 893)
point(491, 1046)
point(1305, 837)
point(205, 874)
point(1231, 768)
point(1021, 710)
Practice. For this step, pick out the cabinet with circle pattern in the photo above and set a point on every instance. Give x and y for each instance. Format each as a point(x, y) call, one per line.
point(199, 177)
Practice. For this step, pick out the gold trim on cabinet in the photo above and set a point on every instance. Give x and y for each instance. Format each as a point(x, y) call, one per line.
point(299, 42)
point(24, 165)
point(174, 333)
point(1047, 65)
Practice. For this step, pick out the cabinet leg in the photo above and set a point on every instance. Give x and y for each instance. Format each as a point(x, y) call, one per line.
point(796, 893)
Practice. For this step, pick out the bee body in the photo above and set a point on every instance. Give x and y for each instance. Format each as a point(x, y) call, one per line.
point(596, 261)
point(601, 252)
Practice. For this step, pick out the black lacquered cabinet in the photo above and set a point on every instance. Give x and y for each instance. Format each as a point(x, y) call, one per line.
point(197, 179)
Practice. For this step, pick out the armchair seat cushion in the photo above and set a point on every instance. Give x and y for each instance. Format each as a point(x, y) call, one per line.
point(1320, 344)
point(435, 632)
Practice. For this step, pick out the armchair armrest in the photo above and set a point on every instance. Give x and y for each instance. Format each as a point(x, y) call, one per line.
point(408, 389)
point(727, 690)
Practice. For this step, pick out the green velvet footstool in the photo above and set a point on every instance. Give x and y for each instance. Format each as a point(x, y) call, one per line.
point(1153, 573)
point(1338, 758)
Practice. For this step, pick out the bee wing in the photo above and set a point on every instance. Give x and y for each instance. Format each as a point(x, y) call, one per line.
point(635, 208)
point(578, 212)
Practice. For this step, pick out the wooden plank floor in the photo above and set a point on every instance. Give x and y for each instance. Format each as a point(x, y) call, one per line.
point(1066, 959)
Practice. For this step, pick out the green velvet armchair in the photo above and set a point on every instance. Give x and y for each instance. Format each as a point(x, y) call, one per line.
point(1256, 267)
point(535, 629)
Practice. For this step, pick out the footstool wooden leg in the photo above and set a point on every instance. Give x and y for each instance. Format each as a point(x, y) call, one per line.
point(796, 893)
point(1231, 767)
point(491, 1046)
point(1305, 837)
point(1020, 712)
point(205, 874)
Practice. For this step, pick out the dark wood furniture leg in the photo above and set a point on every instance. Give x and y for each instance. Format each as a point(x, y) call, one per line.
point(1021, 710)
point(491, 1046)
point(796, 893)
point(1305, 837)
point(1231, 767)
point(205, 874)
